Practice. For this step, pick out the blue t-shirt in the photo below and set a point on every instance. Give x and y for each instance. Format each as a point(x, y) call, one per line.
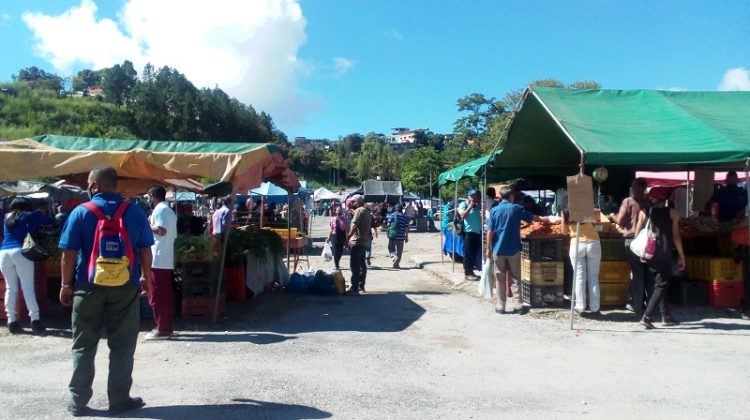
point(505, 220)
point(402, 224)
point(79, 229)
point(473, 220)
point(29, 222)
point(731, 202)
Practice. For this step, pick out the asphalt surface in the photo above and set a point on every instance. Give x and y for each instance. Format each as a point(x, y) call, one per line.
point(416, 346)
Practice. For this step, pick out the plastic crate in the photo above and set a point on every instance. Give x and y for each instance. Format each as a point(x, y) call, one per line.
point(613, 249)
point(541, 296)
point(723, 270)
point(613, 293)
point(614, 272)
point(688, 293)
point(725, 295)
point(202, 307)
point(537, 250)
point(550, 273)
point(235, 281)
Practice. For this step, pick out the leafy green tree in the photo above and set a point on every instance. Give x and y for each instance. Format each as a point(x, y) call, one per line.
point(37, 78)
point(118, 82)
point(421, 165)
point(87, 78)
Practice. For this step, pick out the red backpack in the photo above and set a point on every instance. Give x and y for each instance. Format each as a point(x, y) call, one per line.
point(112, 257)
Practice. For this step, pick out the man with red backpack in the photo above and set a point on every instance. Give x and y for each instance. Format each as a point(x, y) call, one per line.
point(106, 247)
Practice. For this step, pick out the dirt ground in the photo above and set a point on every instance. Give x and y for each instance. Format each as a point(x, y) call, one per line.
point(419, 344)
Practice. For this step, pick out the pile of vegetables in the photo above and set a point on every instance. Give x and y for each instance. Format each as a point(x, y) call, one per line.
point(189, 248)
point(541, 229)
point(256, 242)
point(50, 244)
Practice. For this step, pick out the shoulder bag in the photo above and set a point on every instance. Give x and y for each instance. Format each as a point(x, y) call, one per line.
point(644, 245)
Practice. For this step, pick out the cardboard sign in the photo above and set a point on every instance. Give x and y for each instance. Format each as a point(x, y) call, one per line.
point(703, 189)
point(581, 198)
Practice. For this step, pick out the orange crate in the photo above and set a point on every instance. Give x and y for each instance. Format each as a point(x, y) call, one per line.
point(235, 283)
point(543, 273)
point(614, 272)
point(722, 270)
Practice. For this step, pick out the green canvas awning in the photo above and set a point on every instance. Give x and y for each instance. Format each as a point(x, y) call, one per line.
point(628, 128)
point(469, 169)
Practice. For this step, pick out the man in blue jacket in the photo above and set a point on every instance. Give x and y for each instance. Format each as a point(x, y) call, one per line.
point(115, 307)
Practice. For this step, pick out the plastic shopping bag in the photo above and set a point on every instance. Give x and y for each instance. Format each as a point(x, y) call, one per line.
point(327, 252)
point(488, 278)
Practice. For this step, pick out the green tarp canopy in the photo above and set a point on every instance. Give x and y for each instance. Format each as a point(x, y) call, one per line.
point(645, 129)
point(469, 169)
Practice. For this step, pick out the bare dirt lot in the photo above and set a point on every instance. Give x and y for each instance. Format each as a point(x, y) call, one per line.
point(417, 345)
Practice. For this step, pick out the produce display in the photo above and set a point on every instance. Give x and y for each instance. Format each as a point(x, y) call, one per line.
point(255, 242)
point(188, 248)
point(541, 229)
point(703, 224)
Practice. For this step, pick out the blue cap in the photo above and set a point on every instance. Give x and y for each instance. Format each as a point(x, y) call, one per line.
point(472, 191)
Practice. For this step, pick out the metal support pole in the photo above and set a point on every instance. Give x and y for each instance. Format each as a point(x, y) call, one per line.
point(455, 211)
point(575, 276)
point(220, 277)
point(484, 224)
point(262, 210)
point(288, 228)
point(442, 240)
point(687, 196)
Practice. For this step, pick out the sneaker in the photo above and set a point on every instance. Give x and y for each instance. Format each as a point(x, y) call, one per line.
point(669, 321)
point(129, 405)
point(158, 335)
point(15, 328)
point(84, 411)
point(630, 308)
point(362, 288)
point(37, 328)
point(647, 323)
point(369, 262)
point(352, 291)
point(745, 315)
point(524, 309)
point(471, 277)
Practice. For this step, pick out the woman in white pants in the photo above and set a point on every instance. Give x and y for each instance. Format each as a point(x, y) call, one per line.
point(585, 266)
point(16, 269)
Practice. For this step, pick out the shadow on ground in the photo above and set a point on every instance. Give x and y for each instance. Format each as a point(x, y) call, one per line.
point(236, 409)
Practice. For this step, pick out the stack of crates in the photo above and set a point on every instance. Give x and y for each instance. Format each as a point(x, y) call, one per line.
point(614, 273)
point(199, 290)
point(542, 272)
point(235, 281)
point(722, 278)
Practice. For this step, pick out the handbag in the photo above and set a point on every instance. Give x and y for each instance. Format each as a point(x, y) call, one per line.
point(33, 250)
point(644, 245)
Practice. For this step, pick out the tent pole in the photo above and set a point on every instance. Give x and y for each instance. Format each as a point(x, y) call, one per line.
point(288, 227)
point(687, 196)
point(220, 277)
point(455, 211)
point(442, 255)
point(262, 210)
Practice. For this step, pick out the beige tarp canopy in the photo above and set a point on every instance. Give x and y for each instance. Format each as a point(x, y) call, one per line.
point(245, 165)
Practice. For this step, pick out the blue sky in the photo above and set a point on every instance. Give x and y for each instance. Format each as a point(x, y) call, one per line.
point(325, 68)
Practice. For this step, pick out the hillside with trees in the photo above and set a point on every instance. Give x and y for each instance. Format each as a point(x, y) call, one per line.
point(162, 104)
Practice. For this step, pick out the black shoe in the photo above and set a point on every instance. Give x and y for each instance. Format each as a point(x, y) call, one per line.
point(369, 262)
point(15, 328)
point(84, 411)
point(362, 289)
point(129, 405)
point(37, 328)
point(352, 291)
point(647, 323)
point(524, 310)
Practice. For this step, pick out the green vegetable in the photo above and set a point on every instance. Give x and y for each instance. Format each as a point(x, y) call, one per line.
point(189, 248)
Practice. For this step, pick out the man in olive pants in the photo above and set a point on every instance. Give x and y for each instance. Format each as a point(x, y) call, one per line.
point(115, 306)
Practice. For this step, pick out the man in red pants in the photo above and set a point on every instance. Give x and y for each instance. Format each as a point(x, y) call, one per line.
point(164, 225)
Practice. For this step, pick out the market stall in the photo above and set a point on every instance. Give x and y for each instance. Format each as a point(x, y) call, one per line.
point(242, 166)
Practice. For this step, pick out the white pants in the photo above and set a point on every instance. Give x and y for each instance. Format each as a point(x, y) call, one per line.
point(586, 269)
point(16, 268)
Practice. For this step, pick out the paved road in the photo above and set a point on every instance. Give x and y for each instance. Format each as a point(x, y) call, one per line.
point(412, 347)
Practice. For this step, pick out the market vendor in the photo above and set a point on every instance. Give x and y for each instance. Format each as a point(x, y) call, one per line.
point(728, 202)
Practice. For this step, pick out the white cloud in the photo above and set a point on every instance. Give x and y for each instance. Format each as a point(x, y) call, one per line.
point(394, 33)
point(736, 79)
point(247, 48)
point(342, 65)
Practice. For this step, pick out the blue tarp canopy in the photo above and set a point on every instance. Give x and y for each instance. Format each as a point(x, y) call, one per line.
point(272, 193)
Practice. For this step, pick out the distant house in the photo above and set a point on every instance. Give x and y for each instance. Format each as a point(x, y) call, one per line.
point(95, 91)
point(401, 135)
point(304, 143)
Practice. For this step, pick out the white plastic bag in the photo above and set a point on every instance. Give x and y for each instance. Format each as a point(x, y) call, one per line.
point(327, 252)
point(488, 278)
